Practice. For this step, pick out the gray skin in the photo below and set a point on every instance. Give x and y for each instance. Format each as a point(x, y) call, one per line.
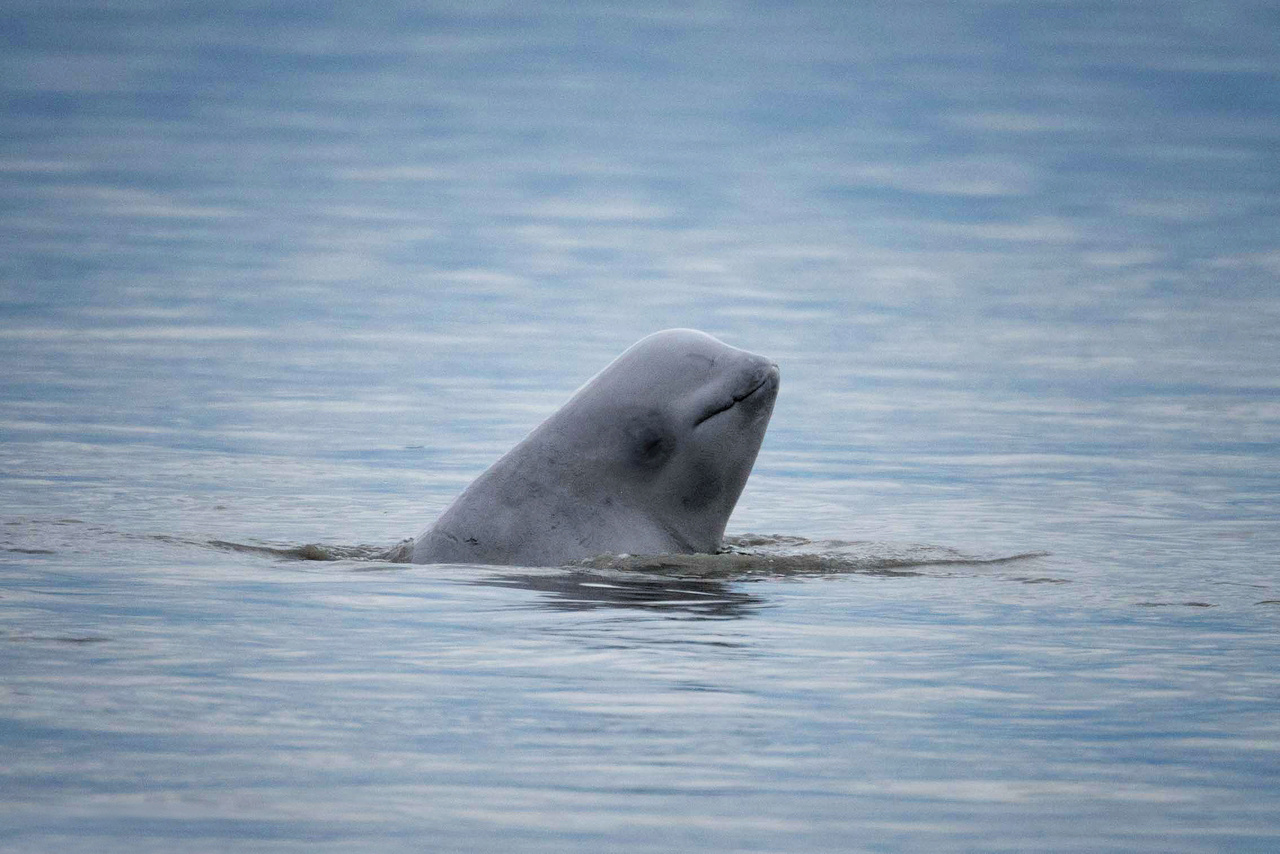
point(649, 457)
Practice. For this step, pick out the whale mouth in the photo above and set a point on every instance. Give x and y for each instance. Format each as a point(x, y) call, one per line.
point(770, 378)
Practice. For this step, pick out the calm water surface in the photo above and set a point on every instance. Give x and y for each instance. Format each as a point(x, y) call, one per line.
point(288, 274)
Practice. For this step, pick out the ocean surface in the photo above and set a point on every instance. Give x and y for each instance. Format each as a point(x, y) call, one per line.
point(277, 280)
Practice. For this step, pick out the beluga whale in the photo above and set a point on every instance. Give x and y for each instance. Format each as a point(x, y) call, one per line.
point(648, 458)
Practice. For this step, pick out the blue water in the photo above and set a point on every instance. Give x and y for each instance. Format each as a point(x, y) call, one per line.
point(283, 274)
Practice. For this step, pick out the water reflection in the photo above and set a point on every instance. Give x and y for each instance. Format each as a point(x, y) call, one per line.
point(708, 586)
point(703, 599)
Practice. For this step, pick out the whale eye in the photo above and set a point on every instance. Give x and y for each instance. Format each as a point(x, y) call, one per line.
point(650, 442)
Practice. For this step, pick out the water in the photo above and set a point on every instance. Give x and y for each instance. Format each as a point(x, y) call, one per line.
point(283, 275)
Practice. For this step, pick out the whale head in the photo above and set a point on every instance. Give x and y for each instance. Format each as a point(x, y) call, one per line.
point(648, 457)
point(671, 429)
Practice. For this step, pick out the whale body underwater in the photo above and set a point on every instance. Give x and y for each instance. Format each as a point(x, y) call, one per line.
point(649, 457)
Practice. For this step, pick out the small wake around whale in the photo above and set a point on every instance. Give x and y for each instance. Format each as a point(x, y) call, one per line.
point(701, 586)
point(744, 556)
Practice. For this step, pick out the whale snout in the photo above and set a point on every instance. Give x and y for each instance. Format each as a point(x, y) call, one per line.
point(762, 394)
point(769, 377)
point(754, 389)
